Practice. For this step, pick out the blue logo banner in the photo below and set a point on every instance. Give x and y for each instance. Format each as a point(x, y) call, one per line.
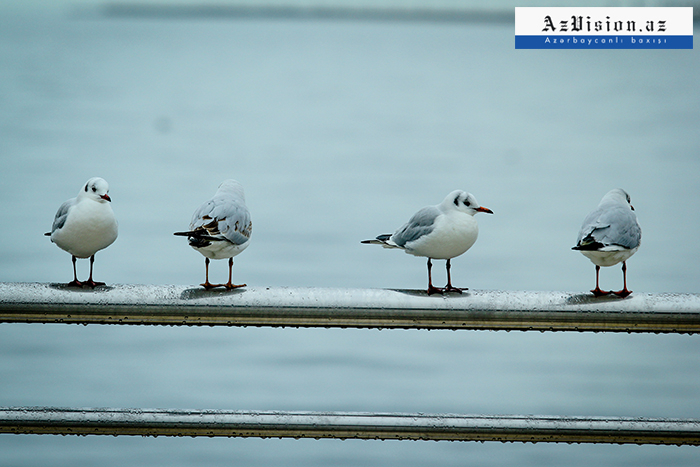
point(603, 42)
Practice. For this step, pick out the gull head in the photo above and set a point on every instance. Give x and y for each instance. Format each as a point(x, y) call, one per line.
point(619, 196)
point(232, 187)
point(463, 202)
point(96, 189)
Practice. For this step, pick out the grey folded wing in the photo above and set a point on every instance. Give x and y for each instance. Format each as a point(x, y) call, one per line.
point(61, 215)
point(422, 223)
point(223, 218)
point(612, 226)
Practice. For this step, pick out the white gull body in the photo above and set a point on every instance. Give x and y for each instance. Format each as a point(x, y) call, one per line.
point(221, 227)
point(610, 234)
point(444, 231)
point(86, 224)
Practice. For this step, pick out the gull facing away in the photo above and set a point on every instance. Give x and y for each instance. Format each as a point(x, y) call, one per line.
point(221, 228)
point(444, 231)
point(85, 225)
point(610, 234)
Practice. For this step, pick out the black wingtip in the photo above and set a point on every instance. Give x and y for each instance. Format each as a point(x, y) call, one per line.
point(588, 246)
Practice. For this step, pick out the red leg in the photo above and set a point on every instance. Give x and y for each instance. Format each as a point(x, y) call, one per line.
point(208, 285)
point(75, 281)
point(229, 285)
point(91, 282)
point(431, 289)
point(448, 287)
point(597, 292)
point(624, 292)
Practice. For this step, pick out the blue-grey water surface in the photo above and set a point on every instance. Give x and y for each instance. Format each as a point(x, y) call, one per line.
point(339, 131)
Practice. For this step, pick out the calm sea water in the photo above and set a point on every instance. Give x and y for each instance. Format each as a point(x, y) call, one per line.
point(339, 131)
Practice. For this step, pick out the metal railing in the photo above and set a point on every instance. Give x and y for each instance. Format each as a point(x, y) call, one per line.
point(356, 308)
point(138, 422)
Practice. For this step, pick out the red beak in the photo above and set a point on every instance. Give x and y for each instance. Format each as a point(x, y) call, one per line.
point(106, 197)
point(483, 209)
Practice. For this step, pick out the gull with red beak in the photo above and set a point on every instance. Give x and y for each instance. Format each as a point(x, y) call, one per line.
point(85, 225)
point(444, 231)
point(610, 234)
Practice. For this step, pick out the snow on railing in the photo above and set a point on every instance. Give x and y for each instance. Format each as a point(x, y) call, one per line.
point(348, 308)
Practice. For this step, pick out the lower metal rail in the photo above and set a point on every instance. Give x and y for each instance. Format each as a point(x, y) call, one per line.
point(528, 429)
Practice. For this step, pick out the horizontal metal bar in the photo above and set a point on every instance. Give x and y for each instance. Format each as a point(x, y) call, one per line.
point(146, 422)
point(304, 12)
point(356, 308)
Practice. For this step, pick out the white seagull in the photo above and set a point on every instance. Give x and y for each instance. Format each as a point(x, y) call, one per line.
point(85, 225)
point(610, 234)
point(444, 231)
point(221, 228)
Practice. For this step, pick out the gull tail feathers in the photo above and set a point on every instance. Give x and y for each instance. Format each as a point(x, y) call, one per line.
point(383, 240)
point(199, 234)
point(198, 238)
point(589, 244)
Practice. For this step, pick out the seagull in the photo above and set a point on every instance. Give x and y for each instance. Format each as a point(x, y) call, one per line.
point(85, 225)
point(610, 234)
point(221, 228)
point(444, 231)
